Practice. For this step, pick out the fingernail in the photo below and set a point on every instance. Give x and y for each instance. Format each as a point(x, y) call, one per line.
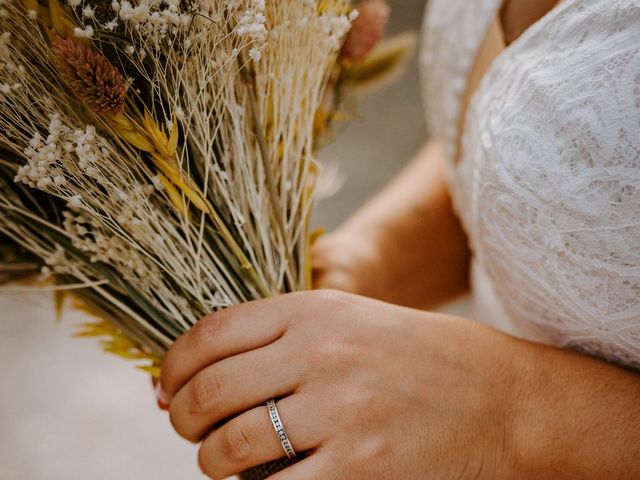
point(164, 401)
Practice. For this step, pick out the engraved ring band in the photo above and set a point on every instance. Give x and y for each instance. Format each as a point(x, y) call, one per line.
point(279, 428)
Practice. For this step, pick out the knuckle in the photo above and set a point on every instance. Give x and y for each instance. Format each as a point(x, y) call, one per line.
point(180, 425)
point(329, 296)
point(358, 400)
point(206, 330)
point(205, 390)
point(235, 443)
point(334, 304)
point(373, 449)
point(324, 303)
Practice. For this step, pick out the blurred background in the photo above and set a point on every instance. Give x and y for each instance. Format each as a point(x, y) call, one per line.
point(69, 411)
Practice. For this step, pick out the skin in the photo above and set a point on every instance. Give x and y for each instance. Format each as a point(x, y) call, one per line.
point(389, 249)
point(375, 391)
point(517, 16)
point(371, 390)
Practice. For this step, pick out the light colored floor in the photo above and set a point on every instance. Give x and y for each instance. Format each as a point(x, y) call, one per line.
point(68, 411)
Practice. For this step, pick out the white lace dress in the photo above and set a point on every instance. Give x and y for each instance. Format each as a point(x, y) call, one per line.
point(548, 183)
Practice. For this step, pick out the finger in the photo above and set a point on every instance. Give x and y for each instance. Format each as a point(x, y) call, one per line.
point(233, 386)
point(250, 440)
point(157, 390)
point(223, 334)
point(311, 468)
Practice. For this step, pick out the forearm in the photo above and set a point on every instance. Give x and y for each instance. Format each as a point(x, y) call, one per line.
point(581, 420)
point(423, 251)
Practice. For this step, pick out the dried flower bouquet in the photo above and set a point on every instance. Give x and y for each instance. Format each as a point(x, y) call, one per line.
point(157, 156)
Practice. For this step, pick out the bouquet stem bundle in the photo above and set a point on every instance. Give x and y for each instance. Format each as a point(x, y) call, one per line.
point(161, 155)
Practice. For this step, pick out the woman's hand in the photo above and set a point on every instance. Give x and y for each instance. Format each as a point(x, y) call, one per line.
point(347, 262)
point(369, 390)
point(406, 246)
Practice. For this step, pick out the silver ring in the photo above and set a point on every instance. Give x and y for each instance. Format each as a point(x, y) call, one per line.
point(277, 425)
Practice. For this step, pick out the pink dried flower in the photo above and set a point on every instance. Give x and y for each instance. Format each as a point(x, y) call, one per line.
point(90, 75)
point(367, 30)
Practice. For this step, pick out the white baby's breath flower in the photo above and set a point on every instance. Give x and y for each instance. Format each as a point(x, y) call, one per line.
point(187, 53)
point(139, 13)
point(5, 44)
point(252, 22)
point(86, 32)
point(111, 25)
point(88, 12)
point(255, 54)
point(157, 183)
point(75, 202)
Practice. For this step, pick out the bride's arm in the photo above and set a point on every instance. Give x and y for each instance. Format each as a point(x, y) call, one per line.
point(405, 246)
point(375, 391)
point(580, 419)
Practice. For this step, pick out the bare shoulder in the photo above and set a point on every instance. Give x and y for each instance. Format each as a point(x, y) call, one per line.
point(518, 15)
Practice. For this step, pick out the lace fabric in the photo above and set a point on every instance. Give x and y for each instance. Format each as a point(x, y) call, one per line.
point(453, 31)
point(548, 184)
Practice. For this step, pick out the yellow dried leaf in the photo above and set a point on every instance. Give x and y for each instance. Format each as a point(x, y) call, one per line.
point(183, 183)
point(174, 195)
point(172, 145)
point(316, 235)
point(121, 121)
point(93, 331)
point(119, 342)
point(334, 6)
point(156, 134)
point(45, 20)
point(138, 140)
point(385, 64)
point(59, 297)
point(122, 353)
point(30, 5)
point(62, 23)
point(79, 304)
point(153, 370)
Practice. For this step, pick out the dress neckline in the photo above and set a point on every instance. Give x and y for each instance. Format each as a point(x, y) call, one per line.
point(453, 33)
point(464, 107)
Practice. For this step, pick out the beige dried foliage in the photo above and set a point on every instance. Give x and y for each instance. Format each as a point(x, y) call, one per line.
point(165, 160)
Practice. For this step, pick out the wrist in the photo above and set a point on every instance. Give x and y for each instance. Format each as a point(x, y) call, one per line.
point(525, 414)
point(520, 453)
point(543, 420)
